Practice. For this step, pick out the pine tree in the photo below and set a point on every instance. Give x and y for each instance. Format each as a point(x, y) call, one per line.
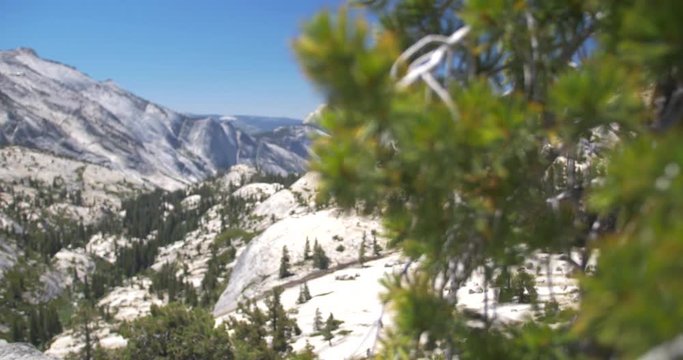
point(320, 259)
point(300, 299)
point(34, 332)
point(307, 251)
point(87, 295)
point(175, 332)
point(250, 332)
point(504, 157)
point(361, 252)
point(318, 320)
point(190, 293)
point(18, 329)
point(308, 353)
point(284, 263)
point(376, 247)
point(282, 328)
point(304, 294)
point(328, 330)
point(85, 321)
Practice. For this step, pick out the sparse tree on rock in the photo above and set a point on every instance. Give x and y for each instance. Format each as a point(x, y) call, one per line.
point(282, 328)
point(318, 320)
point(330, 326)
point(284, 263)
point(307, 251)
point(175, 332)
point(304, 294)
point(320, 259)
point(308, 353)
point(361, 251)
point(376, 247)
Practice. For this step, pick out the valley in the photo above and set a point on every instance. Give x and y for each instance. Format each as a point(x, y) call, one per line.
point(113, 206)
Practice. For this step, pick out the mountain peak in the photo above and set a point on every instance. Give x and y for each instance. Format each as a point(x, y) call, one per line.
point(314, 117)
point(56, 108)
point(110, 83)
point(26, 51)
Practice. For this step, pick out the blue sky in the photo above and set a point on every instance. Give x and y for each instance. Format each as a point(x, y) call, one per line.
point(200, 56)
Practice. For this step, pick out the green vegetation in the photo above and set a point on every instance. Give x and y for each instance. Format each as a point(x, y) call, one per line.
point(284, 180)
point(318, 320)
point(30, 322)
point(320, 259)
point(284, 264)
point(543, 127)
point(151, 220)
point(212, 285)
point(361, 251)
point(167, 282)
point(506, 147)
point(174, 332)
point(253, 326)
point(226, 237)
point(376, 247)
point(304, 294)
point(327, 331)
point(519, 287)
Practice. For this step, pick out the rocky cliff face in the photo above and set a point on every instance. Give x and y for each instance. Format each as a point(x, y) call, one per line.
point(55, 108)
point(21, 351)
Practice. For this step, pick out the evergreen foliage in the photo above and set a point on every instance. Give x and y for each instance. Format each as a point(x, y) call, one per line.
point(163, 213)
point(284, 264)
point(318, 320)
point(282, 328)
point(327, 331)
point(85, 325)
point(285, 180)
point(376, 247)
point(30, 322)
point(307, 353)
point(320, 259)
point(504, 150)
point(361, 251)
point(174, 332)
point(211, 285)
point(251, 330)
point(167, 282)
point(304, 294)
point(519, 287)
point(307, 251)
point(155, 219)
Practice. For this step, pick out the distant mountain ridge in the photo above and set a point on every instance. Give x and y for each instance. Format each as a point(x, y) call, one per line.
point(254, 125)
point(53, 107)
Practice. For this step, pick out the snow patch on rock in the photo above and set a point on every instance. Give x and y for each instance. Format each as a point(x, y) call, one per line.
point(307, 188)
point(257, 191)
point(9, 255)
point(238, 175)
point(194, 251)
point(69, 261)
point(71, 342)
point(131, 301)
point(21, 351)
point(191, 202)
point(105, 245)
point(256, 269)
point(279, 206)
